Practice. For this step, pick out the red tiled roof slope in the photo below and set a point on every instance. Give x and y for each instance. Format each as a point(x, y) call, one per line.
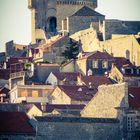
point(134, 97)
point(79, 93)
point(96, 80)
point(100, 55)
point(122, 62)
point(67, 75)
point(15, 123)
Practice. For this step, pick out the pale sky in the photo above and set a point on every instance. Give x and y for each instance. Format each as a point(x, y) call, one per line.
point(15, 23)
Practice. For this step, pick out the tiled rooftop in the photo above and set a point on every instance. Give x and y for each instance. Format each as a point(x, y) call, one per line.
point(96, 81)
point(15, 123)
point(68, 75)
point(134, 97)
point(97, 55)
point(122, 62)
point(78, 93)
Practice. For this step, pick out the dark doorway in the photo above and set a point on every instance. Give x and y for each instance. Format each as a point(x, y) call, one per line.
point(52, 24)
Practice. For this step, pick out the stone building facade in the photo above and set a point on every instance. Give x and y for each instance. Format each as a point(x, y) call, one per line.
point(108, 98)
point(127, 46)
point(81, 20)
point(47, 16)
point(109, 102)
point(95, 63)
point(30, 93)
point(112, 26)
point(15, 50)
point(71, 128)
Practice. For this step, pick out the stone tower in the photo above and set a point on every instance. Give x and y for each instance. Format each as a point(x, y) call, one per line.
point(47, 15)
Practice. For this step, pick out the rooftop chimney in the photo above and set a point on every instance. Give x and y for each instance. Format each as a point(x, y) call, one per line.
point(43, 106)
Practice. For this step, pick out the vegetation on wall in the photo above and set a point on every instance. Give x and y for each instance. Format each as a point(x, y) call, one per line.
point(27, 65)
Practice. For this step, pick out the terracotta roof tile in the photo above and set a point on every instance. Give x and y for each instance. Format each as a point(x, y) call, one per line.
point(66, 75)
point(134, 97)
point(4, 74)
point(78, 93)
point(96, 81)
point(50, 45)
point(15, 123)
point(4, 90)
point(122, 62)
point(100, 55)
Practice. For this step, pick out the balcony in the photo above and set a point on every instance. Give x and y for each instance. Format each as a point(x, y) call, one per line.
point(17, 74)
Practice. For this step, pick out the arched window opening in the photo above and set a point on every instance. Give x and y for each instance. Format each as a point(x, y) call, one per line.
point(52, 24)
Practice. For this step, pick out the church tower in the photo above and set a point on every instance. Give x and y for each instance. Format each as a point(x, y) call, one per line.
point(47, 15)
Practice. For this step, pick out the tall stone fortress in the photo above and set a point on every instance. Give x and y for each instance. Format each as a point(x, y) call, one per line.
point(79, 20)
point(51, 16)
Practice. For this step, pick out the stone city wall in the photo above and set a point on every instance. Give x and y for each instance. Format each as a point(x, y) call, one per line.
point(78, 128)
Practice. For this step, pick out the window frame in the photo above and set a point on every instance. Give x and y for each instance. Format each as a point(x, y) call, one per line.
point(127, 69)
point(105, 64)
point(138, 71)
point(95, 64)
point(130, 123)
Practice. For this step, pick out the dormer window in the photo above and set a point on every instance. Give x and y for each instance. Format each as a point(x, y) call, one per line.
point(95, 64)
point(128, 71)
point(104, 64)
point(89, 72)
point(138, 71)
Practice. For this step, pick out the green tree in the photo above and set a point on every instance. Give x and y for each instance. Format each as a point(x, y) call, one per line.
point(27, 65)
point(72, 50)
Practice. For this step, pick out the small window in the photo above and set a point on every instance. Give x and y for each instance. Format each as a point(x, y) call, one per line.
point(128, 71)
point(24, 94)
point(34, 93)
point(130, 123)
point(138, 71)
point(94, 64)
point(105, 64)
